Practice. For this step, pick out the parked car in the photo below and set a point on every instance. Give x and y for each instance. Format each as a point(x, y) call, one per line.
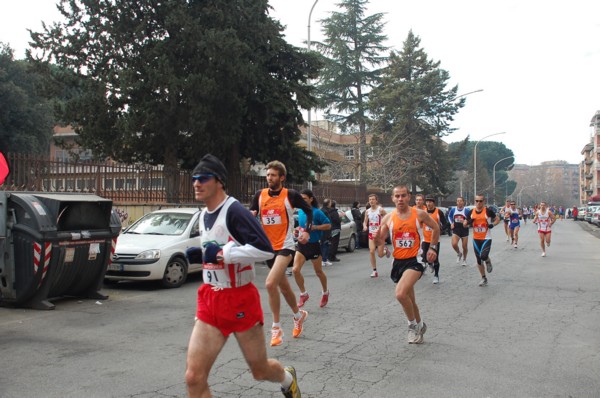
point(596, 217)
point(589, 211)
point(348, 235)
point(153, 248)
point(581, 213)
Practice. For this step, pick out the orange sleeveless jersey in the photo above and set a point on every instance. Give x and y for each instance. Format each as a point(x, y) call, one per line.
point(275, 215)
point(427, 231)
point(480, 224)
point(406, 235)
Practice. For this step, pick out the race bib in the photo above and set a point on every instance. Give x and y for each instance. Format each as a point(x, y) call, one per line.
point(373, 227)
point(480, 228)
point(405, 240)
point(459, 218)
point(271, 217)
point(215, 274)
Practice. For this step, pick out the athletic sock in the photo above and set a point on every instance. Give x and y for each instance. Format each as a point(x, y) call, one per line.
point(276, 325)
point(412, 323)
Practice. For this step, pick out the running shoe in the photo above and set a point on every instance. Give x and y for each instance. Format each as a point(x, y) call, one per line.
point(288, 272)
point(303, 299)
point(430, 266)
point(374, 274)
point(293, 391)
point(464, 263)
point(420, 332)
point(324, 300)
point(515, 245)
point(488, 265)
point(543, 254)
point(386, 251)
point(412, 334)
point(548, 244)
point(436, 280)
point(299, 323)
point(483, 281)
point(327, 263)
point(276, 336)
point(458, 257)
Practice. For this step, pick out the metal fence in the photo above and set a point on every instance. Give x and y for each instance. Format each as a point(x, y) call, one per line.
point(145, 184)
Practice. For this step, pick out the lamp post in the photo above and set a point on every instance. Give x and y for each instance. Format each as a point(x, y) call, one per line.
point(494, 178)
point(309, 130)
point(475, 162)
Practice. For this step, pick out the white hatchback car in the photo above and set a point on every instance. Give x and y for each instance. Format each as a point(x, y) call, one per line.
point(153, 248)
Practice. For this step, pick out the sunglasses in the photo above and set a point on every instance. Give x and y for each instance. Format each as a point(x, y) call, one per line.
point(202, 178)
point(476, 200)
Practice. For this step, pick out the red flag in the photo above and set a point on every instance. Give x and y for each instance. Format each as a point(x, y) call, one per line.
point(4, 169)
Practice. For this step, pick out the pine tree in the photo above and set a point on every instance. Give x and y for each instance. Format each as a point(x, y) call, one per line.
point(353, 50)
point(412, 110)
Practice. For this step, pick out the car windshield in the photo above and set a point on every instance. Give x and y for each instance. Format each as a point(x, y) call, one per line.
point(161, 224)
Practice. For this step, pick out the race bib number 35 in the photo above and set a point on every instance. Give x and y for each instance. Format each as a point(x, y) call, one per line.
point(271, 217)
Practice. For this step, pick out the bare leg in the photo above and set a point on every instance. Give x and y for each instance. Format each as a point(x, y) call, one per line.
point(318, 266)
point(455, 239)
point(205, 344)
point(252, 344)
point(299, 261)
point(372, 249)
point(465, 245)
point(405, 294)
point(275, 278)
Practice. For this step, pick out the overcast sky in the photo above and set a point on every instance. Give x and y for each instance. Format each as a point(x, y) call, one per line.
point(537, 62)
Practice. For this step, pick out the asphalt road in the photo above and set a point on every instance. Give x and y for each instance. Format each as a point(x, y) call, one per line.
point(534, 331)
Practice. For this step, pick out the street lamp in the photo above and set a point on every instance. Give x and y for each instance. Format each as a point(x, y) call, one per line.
point(309, 130)
point(475, 162)
point(494, 178)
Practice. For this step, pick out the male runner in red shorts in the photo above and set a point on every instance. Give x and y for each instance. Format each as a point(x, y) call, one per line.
point(228, 302)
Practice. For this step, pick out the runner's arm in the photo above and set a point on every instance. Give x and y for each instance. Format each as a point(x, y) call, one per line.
point(247, 231)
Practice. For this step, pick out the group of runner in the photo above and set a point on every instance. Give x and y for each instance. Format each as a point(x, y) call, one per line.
point(233, 239)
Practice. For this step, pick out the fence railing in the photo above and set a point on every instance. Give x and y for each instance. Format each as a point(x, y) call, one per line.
point(145, 184)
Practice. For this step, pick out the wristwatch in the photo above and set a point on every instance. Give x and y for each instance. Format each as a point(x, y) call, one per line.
point(434, 247)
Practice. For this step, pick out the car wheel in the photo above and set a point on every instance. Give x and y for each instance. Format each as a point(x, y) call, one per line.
point(175, 273)
point(351, 244)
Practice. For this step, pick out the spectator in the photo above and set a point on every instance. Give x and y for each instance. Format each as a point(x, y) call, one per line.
point(358, 220)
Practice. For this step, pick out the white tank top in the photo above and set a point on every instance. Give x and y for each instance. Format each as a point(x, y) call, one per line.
point(543, 220)
point(374, 219)
point(223, 275)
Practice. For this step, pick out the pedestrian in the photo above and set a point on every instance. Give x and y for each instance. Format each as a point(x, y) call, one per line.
point(373, 216)
point(275, 206)
point(231, 242)
point(544, 219)
point(437, 216)
point(575, 213)
point(326, 238)
point(311, 250)
point(482, 219)
point(336, 228)
point(456, 216)
point(514, 225)
point(358, 221)
point(404, 225)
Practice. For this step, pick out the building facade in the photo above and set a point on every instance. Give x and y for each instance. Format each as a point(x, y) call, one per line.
point(589, 168)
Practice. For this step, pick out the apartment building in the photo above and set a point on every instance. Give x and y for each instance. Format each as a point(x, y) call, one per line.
point(589, 168)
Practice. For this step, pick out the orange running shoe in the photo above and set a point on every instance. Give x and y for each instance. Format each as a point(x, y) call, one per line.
point(276, 336)
point(299, 323)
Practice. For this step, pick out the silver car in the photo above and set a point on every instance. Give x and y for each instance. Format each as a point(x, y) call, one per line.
point(153, 248)
point(348, 234)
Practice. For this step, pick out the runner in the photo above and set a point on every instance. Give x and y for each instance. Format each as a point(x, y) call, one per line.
point(505, 213)
point(312, 249)
point(544, 220)
point(438, 217)
point(373, 216)
point(403, 224)
point(514, 224)
point(232, 241)
point(420, 202)
point(456, 216)
point(275, 205)
point(482, 219)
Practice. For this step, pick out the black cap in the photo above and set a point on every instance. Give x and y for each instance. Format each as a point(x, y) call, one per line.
point(210, 164)
point(429, 197)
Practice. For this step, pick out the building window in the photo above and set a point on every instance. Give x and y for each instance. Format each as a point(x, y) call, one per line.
point(349, 154)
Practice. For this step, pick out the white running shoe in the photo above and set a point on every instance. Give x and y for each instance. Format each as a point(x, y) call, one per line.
point(412, 334)
point(483, 281)
point(288, 272)
point(374, 274)
point(515, 245)
point(548, 244)
point(436, 280)
point(543, 254)
point(458, 257)
point(464, 263)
